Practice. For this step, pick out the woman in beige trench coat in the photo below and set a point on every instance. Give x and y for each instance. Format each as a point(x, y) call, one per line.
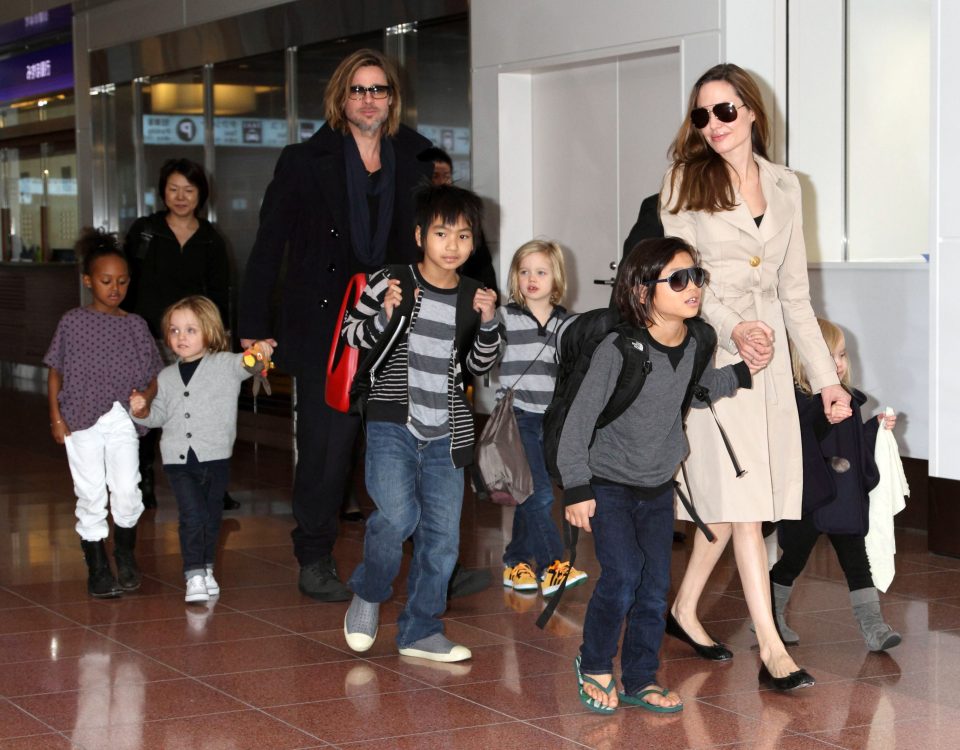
point(743, 214)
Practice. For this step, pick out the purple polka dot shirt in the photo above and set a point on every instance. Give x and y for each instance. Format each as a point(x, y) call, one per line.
point(101, 358)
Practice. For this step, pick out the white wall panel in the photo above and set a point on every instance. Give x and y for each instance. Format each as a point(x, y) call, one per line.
point(815, 138)
point(575, 172)
point(518, 31)
point(883, 309)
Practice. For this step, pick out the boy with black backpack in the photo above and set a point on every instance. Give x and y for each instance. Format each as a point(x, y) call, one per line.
point(416, 322)
point(618, 473)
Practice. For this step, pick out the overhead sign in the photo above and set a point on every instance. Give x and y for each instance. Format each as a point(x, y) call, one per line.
point(243, 132)
point(37, 24)
point(36, 73)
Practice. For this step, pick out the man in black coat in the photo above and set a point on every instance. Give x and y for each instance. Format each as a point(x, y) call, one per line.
point(339, 204)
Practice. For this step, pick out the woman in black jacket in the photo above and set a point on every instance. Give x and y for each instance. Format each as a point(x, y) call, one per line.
point(174, 253)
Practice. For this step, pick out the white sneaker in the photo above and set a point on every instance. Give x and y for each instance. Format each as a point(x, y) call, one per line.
point(213, 588)
point(196, 590)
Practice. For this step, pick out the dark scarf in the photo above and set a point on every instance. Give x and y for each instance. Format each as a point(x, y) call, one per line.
point(371, 251)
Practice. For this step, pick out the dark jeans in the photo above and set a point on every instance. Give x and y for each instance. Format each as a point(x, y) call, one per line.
point(535, 538)
point(325, 454)
point(199, 489)
point(633, 540)
point(797, 539)
point(419, 492)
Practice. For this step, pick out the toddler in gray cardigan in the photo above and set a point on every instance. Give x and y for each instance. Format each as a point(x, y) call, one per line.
point(196, 405)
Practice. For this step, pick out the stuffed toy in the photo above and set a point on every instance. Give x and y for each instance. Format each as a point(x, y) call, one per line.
point(256, 363)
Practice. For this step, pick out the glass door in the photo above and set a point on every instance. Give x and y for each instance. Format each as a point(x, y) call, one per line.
point(38, 199)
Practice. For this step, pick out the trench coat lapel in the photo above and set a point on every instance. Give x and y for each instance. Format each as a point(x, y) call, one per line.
point(780, 208)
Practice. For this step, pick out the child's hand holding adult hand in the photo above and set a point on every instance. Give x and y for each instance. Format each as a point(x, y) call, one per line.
point(138, 405)
point(579, 514)
point(485, 303)
point(836, 403)
point(839, 412)
point(754, 342)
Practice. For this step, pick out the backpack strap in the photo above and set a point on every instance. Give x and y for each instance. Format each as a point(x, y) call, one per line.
point(706, 339)
point(632, 345)
point(570, 536)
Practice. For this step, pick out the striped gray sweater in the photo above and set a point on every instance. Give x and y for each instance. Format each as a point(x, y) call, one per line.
point(390, 398)
point(529, 344)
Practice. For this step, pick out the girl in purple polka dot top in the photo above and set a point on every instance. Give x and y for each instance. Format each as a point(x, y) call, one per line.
point(100, 356)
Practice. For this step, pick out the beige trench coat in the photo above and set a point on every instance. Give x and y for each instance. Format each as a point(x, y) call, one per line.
point(755, 274)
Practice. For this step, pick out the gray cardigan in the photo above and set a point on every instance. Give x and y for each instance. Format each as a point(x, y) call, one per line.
point(201, 415)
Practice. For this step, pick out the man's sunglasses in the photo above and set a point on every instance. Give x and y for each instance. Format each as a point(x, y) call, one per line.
point(377, 92)
point(724, 111)
point(679, 279)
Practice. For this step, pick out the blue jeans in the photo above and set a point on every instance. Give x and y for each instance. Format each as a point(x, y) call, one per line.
point(199, 487)
point(535, 538)
point(419, 492)
point(633, 539)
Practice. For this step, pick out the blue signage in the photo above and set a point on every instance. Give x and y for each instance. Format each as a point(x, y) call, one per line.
point(37, 24)
point(36, 73)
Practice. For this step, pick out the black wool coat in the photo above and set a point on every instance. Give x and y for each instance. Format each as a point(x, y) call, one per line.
point(305, 230)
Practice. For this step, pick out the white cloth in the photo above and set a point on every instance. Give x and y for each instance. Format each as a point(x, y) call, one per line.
point(104, 456)
point(886, 500)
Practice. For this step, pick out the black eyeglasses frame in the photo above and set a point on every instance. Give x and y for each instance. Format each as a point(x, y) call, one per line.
point(680, 278)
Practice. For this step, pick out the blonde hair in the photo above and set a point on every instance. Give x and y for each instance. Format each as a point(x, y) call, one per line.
point(554, 254)
point(335, 95)
point(207, 314)
point(832, 337)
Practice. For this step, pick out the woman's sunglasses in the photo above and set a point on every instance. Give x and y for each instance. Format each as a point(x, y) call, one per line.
point(679, 279)
point(724, 111)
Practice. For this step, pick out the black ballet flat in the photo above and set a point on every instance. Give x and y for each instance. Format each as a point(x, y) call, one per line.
point(793, 681)
point(716, 652)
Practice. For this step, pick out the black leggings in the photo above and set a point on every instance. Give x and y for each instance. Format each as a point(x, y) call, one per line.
point(797, 539)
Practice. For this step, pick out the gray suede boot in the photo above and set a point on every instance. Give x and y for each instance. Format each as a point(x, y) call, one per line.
point(781, 596)
point(866, 608)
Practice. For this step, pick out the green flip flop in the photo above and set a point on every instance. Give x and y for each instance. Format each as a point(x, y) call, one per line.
point(637, 699)
point(585, 698)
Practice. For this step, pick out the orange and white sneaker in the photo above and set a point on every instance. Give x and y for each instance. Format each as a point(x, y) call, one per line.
point(550, 580)
point(520, 578)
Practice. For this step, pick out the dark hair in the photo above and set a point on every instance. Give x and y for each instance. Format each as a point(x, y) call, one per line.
point(94, 244)
point(700, 176)
point(448, 203)
point(435, 154)
point(335, 95)
point(194, 174)
point(644, 263)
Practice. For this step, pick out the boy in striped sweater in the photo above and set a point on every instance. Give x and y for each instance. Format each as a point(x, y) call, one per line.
point(419, 425)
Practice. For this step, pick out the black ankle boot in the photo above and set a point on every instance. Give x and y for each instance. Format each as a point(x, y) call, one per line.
point(128, 574)
point(146, 486)
point(100, 581)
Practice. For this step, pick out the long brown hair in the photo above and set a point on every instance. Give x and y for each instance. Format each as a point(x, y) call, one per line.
point(335, 95)
point(699, 174)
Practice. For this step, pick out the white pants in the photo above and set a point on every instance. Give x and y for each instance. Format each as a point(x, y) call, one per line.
point(103, 456)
